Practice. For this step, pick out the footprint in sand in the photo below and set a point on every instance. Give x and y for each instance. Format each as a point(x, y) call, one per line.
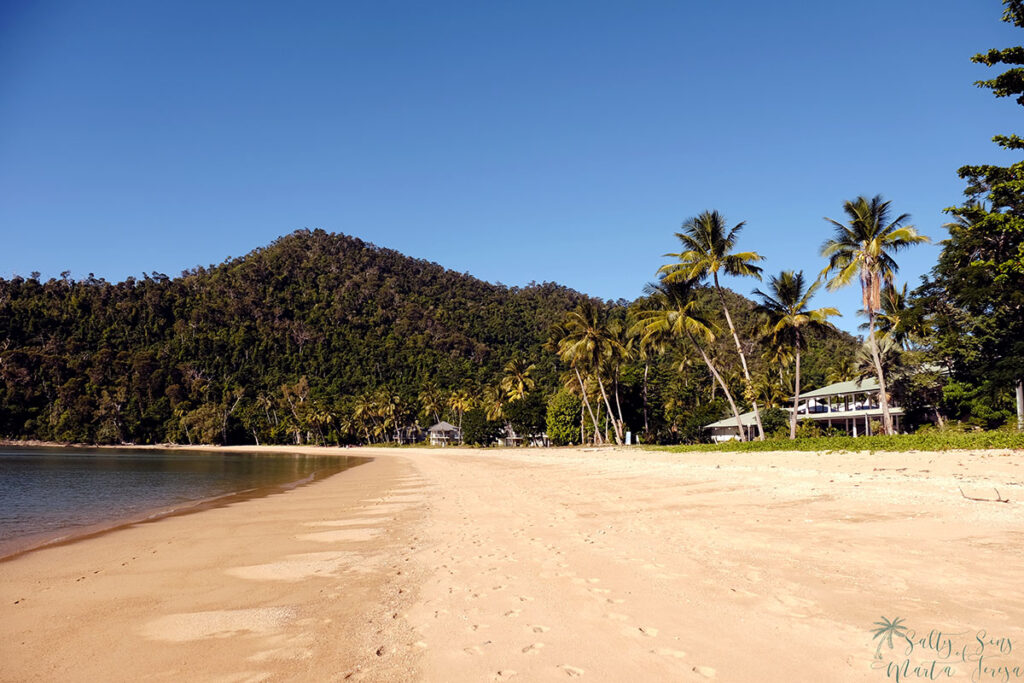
point(524, 598)
point(505, 674)
point(540, 629)
point(513, 613)
point(705, 671)
point(648, 631)
point(474, 650)
point(571, 671)
point(533, 649)
point(666, 652)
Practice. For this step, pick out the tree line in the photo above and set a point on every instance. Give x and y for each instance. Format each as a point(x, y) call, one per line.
point(323, 338)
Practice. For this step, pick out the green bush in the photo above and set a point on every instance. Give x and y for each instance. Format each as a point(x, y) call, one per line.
point(807, 429)
point(477, 430)
point(930, 440)
point(775, 421)
point(563, 418)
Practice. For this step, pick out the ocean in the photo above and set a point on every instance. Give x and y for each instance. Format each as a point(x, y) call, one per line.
point(50, 495)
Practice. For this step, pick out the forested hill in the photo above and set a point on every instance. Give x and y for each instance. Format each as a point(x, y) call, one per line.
point(323, 337)
point(141, 360)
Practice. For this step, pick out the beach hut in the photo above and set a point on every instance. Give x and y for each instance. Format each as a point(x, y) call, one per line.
point(443, 434)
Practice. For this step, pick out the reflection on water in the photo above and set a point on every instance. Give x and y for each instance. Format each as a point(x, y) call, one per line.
point(53, 492)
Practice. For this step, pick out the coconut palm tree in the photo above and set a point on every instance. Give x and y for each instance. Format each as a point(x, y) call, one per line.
point(845, 370)
point(789, 317)
point(431, 400)
point(461, 401)
point(556, 343)
point(708, 250)
point(864, 247)
point(893, 320)
point(674, 310)
point(646, 348)
point(591, 343)
point(494, 398)
point(517, 382)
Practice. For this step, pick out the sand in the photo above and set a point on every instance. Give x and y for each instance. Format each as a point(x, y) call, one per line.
point(548, 565)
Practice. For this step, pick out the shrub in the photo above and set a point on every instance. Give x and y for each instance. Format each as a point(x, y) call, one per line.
point(563, 418)
point(477, 430)
point(929, 441)
point(775, 421)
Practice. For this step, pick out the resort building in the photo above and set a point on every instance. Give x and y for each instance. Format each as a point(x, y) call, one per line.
point(444, 434)
point(510, 439)
point(847, 406)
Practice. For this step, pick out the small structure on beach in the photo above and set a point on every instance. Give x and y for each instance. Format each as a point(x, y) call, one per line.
point(444, 433)
point(725, 430)
point(849, 406)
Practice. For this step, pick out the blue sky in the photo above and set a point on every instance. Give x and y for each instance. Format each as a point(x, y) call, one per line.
point(549, 141)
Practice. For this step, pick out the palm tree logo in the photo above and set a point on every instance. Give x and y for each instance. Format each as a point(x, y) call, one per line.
point(885, 631)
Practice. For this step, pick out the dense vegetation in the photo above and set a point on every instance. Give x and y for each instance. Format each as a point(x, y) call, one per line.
point(315, 338)
point(279, 343)
point(924, 440)
point(323, 338)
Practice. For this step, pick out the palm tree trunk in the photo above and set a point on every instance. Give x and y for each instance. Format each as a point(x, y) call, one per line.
point(647, 369)
point(618, 407)
point(743, 358)
point(586, 402)
point(725, 389)
point(796, 396)
point(883, 398)
point(583, 436)
point(611, 415)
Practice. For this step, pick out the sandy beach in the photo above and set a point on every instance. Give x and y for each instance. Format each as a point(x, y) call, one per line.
point(538, 565)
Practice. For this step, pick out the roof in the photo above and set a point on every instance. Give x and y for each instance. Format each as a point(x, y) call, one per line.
point(443, 426)
point(851, 387)
point(747, 419)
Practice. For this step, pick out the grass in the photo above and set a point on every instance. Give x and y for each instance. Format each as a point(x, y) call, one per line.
point(928, 441)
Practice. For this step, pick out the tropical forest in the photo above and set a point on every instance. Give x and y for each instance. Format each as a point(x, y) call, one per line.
point(322, 338)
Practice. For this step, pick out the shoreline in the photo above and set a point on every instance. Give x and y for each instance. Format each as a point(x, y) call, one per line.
point(170, 592)
point(21, 545)
point(540, 564)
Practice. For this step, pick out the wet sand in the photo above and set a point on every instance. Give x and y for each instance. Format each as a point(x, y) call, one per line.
point(536, 565)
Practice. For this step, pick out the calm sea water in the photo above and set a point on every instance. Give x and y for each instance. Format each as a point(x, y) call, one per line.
point(51, 494)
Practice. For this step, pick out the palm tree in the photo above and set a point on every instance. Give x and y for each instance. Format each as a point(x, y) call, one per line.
point(789, 316)
point(864, 247)
point(517, 382)
point(557, 343)
point(646, 348)
point(591, 343)
point(845, 370)
point(675, 311)
point(364, 414)
point(431, 400)
point(494, 402)
point(708, 249)
point(892, 319)
point(461, 401)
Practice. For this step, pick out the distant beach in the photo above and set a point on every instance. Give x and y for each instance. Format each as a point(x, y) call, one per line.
point(542, 564)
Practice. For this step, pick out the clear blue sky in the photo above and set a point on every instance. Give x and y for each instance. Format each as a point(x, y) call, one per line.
point(550, 141)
